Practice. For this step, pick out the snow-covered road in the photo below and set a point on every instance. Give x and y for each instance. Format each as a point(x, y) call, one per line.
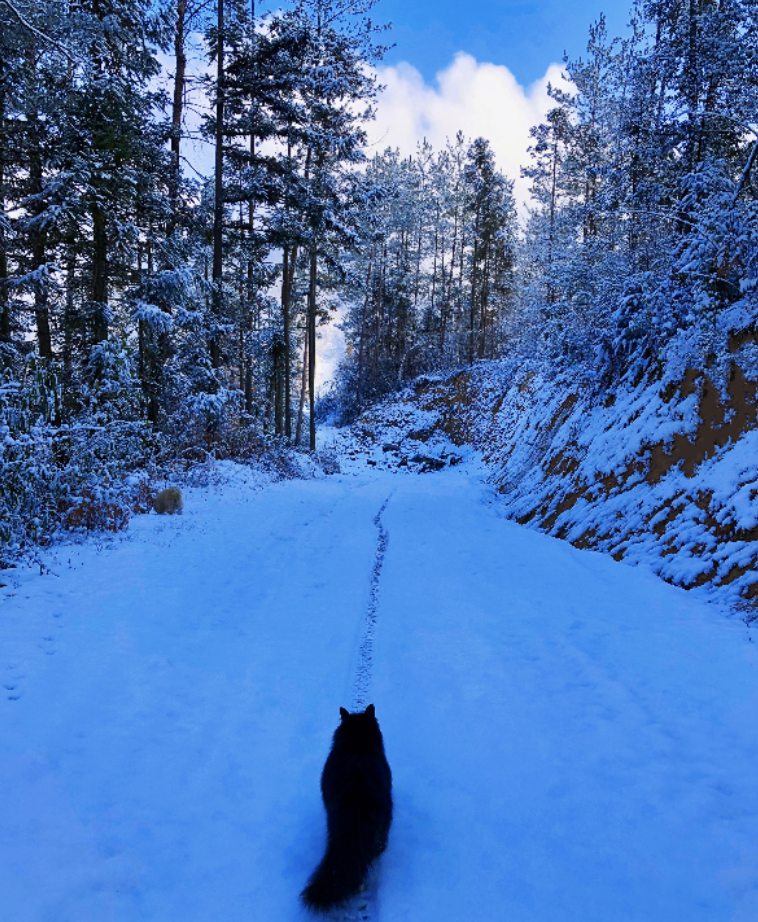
point(571, 739)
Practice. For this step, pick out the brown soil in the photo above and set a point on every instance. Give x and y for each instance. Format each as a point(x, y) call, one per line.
point(714, 429)
point(724, 415)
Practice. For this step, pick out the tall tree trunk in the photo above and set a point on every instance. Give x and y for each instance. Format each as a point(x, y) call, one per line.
point(218, 204)
point(460, 311)
point(180, 57)
point(288, 280)
point(41, 303)
point(312, 348)
point(418, 269)
point(362, 338)
point(243, 314)
point(278, 385)
point(472, 304)
point(99, 274)
point(379, 316)
point(434, 266)
point(483, 297)
point(38, 234)
point(286, 330)
point(691, 77)
point(5, 313)
point(68, 315)
point(155, 349)
point(444, 299)
point(248, 389)
point(551, 293)
point(303, 388)
point(250, 298)
point(250, 301)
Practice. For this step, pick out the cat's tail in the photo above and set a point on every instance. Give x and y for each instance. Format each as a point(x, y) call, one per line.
point(340, 875)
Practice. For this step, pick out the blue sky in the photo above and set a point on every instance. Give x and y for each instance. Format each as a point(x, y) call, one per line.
point(525, 37)
point(481, 67)
point(478, 66)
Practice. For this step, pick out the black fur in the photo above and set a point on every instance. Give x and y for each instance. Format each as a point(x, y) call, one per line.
point(356, 785)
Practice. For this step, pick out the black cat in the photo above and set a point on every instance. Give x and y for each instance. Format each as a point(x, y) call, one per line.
point(356, 785)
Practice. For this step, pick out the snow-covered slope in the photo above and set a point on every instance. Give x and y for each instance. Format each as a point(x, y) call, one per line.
point(571, 738)
point(658, 471)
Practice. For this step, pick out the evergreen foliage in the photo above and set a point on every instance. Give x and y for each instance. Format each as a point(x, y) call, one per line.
point(145, 314)
point(139, 315)
point(638, 252)
point(431, 284)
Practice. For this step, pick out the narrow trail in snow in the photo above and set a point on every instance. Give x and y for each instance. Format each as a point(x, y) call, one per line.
point(364, 669)
point(363, 907)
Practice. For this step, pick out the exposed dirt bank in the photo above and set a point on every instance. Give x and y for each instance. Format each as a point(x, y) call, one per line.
point(655, 471)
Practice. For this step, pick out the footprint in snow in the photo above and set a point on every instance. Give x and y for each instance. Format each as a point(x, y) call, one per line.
point(11, 683)
point(47, 645)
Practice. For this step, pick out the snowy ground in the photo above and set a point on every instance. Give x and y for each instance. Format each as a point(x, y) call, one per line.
point(571, 739)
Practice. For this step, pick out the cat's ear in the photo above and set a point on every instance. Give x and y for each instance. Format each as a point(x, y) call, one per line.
point(343, 713)
point(370, 711)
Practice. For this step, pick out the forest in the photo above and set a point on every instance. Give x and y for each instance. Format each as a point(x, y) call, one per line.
point(150, 316)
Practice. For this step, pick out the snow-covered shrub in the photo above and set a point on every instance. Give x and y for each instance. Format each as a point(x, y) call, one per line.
point(329, 460)
point(90, 472)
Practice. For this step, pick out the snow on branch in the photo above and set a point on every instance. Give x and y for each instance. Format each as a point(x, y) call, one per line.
point(33, 29)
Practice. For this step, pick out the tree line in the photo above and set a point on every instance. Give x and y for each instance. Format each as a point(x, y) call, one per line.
point(144, 309)
point(431, 282)
point(209, 290)
point(639, 247)
point(642, 237)
point(148, 314)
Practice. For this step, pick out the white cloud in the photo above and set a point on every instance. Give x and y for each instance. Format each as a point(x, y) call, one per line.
point(478, 99)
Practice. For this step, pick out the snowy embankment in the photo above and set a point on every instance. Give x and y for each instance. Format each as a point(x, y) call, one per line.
point(570, 737)
point(660, 472)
